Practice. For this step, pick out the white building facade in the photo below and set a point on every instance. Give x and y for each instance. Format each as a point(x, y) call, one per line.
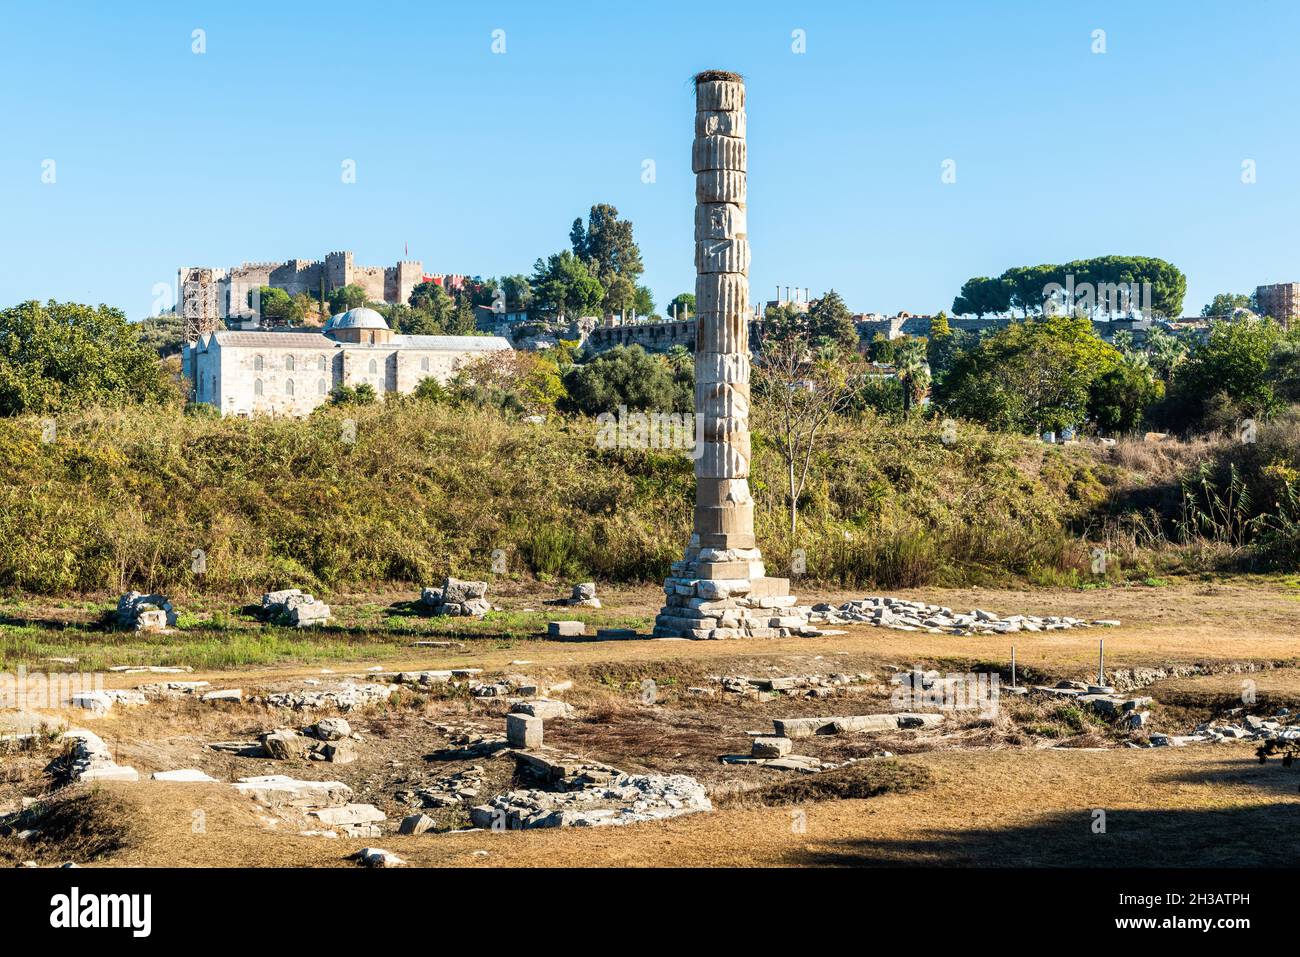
point(292, 373)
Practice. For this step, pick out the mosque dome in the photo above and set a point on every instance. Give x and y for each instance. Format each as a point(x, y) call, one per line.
point(359, 318)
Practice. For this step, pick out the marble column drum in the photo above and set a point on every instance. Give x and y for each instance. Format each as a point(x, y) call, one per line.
point(720, 589)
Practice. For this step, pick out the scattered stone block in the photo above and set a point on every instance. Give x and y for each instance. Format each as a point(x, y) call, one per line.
point(348, 814)
point(226, 694)
point(332, 729)
point(616, 634)
point(95, 702)
point(854, 724)
point(377, 857)
point(280, 789)
point(293, 607)
point(565, 629)
point(340, 752)
point(145, 613)
point(523, 731)
point(416, 824)
point(285, 744)
point(543, 708)
point(771, 747)
point(186, 775)
point(90, 759)
point(582, 595)
point(457, 598)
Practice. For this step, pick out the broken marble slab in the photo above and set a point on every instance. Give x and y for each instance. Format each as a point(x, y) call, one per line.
point(185, 775)
point(280, 789)
point(806, 727)
point(348, 814)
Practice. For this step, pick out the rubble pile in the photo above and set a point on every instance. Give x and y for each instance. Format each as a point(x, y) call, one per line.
point(624, 799)
point(795, 686)
point(1247, 727)
point(88, 759)
point(327, 804)
point(455, 597)
point(344, 698)
point(583, 595)
point(149, 613)
point(906, 615)
point(330, 739)
point(293, 607)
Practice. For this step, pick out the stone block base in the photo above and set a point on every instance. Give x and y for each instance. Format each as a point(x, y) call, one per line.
point(701, 604)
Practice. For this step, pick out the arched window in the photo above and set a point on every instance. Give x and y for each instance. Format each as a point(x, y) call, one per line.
point(374, 366)
point(320, 363)
point(424, 364)
point(258, 364)
point(257, 383)
point(288, 363)
point(288, 387)
point(320, 387)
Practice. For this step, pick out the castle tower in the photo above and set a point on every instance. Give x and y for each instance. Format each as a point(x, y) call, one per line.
point(719, 589)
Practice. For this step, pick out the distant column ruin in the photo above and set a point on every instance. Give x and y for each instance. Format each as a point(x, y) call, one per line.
point(719, 589)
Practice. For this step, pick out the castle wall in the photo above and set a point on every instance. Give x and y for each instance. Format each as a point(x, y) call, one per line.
point(208, 296)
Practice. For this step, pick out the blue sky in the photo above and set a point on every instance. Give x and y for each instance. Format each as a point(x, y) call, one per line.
point(481, 161)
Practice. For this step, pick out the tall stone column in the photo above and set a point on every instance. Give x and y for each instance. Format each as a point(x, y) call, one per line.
point(719, 588)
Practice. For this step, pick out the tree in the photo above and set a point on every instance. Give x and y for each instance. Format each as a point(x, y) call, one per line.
point(1284, 368)
point(1225, 304)
point(942, 351)
point(827, 323)
point(1108, 281)
point(881, 348)
point(346, 297)
point(627, 376)
point(275, 306)
point(1032, 376)
point(1119, 398)
point(831, 323)
point(800, 390)
point(63, 355)
point(606, 247)
point(1165, 352)
point(563, 287)
point(682, 306)
point(982, 295)
point(511, 379)
point(164, 333)
point(462, 321)
point(643, 302)
point(430, 312)
point(518, 293)
point(912, 371)
point(620, 294)
point(1234, 362)
point(364, 394)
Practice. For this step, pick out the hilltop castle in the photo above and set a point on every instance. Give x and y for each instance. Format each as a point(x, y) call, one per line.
point(209, 296)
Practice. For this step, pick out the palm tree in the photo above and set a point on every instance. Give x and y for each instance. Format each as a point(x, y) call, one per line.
point(913, 372)
point(678, 357)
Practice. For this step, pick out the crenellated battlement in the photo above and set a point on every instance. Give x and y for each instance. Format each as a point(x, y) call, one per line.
point(391, 284)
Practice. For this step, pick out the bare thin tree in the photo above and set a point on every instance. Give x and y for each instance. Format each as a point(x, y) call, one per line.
point(799, 390)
